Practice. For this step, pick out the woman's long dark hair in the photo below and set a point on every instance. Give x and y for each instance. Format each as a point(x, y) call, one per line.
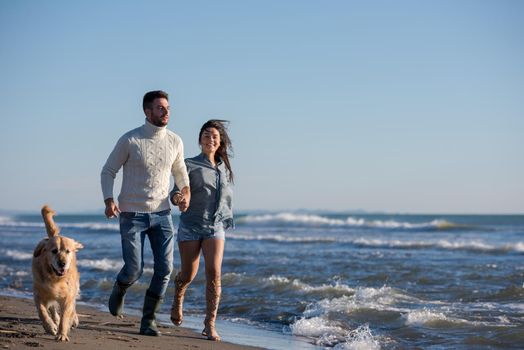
point(225, 150)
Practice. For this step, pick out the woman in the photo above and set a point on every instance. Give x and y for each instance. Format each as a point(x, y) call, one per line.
point(202, 227)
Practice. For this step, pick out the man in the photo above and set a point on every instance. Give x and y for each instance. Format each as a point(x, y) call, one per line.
point(148, 155)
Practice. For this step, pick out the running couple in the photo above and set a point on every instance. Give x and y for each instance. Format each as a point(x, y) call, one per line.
point(148, 155)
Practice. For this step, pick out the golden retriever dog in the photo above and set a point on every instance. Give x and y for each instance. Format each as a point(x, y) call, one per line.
point(56, 281)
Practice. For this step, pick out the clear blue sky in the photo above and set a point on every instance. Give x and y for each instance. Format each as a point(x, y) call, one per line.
point(397, 106)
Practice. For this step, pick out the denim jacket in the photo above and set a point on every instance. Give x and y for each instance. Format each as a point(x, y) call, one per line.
point(211, 196)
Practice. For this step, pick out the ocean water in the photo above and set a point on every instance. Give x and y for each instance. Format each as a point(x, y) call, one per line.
point(342, 281)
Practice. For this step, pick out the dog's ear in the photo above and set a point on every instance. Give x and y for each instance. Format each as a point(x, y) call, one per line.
point(78, 246)
point(40, 248)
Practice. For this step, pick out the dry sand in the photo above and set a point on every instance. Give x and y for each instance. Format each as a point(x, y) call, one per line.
point(20, 328)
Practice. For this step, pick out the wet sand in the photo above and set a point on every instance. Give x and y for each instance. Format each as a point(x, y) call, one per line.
point(20, 328)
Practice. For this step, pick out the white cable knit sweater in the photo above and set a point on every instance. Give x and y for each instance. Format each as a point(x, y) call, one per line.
point(148, 154)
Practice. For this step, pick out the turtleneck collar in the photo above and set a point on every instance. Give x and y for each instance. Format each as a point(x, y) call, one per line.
point(154, 131)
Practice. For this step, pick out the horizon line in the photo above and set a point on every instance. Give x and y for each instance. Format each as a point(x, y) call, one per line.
point(276, 211)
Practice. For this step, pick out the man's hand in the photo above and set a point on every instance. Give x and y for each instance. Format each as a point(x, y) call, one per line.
point(111, 208)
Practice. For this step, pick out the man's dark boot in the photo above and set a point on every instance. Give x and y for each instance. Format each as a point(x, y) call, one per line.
point(148, 325)
point(116, 300)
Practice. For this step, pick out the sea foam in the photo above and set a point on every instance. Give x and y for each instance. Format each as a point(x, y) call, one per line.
point(328, 320)
point(434, 319)
point(380, 299)
point(282, 283)
point(423, 317)
point(359, 339)
point(296, 284)
point(327, 333)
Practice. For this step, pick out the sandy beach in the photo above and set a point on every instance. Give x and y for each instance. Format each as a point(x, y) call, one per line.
point(20, 328)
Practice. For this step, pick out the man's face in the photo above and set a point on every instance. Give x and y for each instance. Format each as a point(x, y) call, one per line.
point(158, 114)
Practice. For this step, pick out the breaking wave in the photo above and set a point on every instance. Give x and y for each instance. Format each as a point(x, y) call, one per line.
point(443, 244)
point(16, 254)
point(96, 226)
point(317, 220)
point(101, 264)
point(327, 321)
point(280, 283)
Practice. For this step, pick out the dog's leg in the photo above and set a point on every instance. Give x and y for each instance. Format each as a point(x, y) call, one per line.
point(67, 307)
point(74, 319)
point(54, 313)
point(49, 325)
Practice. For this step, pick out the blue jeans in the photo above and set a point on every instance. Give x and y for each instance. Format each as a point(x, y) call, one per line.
point(159, 229)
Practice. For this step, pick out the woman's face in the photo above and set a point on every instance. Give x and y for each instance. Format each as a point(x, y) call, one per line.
point(210, 140)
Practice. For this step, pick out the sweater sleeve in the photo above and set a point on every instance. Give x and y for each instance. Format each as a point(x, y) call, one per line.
point(114, 162)
point(175, 187)
point(178, 169)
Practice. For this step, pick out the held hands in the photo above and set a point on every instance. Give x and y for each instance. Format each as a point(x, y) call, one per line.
point(112, 210)
point(182, 199)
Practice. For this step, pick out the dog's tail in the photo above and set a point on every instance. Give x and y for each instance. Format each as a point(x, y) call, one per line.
point(50, 226)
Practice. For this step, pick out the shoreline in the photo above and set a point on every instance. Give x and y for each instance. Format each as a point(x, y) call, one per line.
point(20, 328)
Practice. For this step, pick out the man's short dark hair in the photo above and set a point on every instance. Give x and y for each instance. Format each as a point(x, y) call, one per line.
point(150, 96)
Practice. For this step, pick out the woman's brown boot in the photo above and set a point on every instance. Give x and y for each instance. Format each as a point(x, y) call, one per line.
point(213, 291)
point(176, 310)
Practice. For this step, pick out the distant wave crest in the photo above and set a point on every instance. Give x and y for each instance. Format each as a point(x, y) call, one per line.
point(317, 220)
point(96, 226)
point(101, 264)
point(443, 244)
point(431, 318)
point(16, 254)
point(276, 284)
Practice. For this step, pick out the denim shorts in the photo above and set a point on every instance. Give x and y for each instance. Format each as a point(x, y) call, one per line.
point(186, 234)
